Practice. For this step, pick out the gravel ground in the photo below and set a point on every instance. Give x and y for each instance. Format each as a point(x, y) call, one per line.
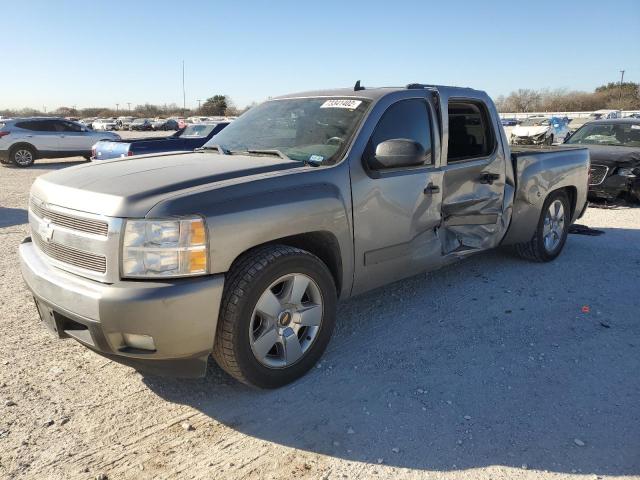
point(486, 369)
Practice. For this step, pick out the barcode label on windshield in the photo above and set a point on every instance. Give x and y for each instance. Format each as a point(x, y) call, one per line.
point(350, 104)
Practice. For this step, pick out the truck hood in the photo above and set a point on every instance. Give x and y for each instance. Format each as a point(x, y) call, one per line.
point(613, 156)
point(521, 131)
point(130, 187)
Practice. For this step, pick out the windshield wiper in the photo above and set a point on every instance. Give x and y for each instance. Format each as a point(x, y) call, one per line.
point(279, 153)
point(222, 150)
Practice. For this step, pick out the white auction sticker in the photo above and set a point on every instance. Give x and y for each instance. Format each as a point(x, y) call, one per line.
point(350, 104)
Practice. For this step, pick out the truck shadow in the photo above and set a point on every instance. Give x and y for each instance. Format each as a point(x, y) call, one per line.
point(493, 361)
point(10, 217)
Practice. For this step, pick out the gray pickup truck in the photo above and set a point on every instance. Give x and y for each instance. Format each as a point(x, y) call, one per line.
point(242, 249)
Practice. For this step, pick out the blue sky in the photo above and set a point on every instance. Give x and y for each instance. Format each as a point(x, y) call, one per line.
point(90, 53)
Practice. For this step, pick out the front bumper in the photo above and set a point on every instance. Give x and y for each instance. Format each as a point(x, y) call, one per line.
point(180, 315)
point(615, 186)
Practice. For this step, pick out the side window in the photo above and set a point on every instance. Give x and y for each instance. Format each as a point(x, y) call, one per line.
point(71, 127)
point(27, 125)
point(44, 126)
point(408, 120)
point(470, 131)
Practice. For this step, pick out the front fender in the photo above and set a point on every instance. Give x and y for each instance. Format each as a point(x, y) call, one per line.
point(246, 215)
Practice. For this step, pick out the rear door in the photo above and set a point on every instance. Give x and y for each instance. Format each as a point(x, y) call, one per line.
point(475, 214)
point(44, 136)
point(396, 211)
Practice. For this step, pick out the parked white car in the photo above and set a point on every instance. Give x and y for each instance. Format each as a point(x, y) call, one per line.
point(540, 131)
point(605, 114)
point(23, 140)
point(104, 124)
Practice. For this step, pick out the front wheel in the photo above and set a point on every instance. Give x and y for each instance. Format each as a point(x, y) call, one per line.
point(277, 316)
point(551, 233)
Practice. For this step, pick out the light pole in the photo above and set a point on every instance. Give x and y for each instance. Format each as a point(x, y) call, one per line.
point(129, 104)
point(117, 107)
point(184, 94)
point(621, 81)
point(199, 101)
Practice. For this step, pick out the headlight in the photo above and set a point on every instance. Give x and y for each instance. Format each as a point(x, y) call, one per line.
point(627, 171)
point(164, 248)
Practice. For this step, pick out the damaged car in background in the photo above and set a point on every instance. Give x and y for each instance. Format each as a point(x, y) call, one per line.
point(614, 146)
point(540, 131)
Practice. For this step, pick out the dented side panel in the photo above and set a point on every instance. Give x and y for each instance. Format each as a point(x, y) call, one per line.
point(540, 172)
point(476, 213)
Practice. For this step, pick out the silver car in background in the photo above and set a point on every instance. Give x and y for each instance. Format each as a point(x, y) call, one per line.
point(23, 140)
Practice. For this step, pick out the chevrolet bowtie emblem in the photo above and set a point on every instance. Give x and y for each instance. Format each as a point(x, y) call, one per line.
point(46, 231)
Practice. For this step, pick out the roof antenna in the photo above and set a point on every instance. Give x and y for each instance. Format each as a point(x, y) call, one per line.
point(357, 86)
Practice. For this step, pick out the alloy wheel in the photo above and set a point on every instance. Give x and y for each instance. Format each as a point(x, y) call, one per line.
point(553, 229)
point(286, 321)
point(23, 157)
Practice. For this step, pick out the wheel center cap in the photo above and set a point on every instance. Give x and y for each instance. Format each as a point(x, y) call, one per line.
point(284, 318)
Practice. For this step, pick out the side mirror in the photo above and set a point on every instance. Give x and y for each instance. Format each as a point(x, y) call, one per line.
point(397, 153)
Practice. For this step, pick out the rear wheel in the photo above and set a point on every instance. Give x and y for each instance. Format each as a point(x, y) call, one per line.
point(551, 233)
point(277, 316)
point(23, 156)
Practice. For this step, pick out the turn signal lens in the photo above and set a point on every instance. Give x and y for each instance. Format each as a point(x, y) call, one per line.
point(198, 236)
point(197, 261)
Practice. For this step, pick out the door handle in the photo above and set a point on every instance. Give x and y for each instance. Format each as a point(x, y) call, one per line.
point(431, 189)
point(488, 178)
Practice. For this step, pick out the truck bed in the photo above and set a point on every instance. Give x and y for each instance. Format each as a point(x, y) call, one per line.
point(538, 170)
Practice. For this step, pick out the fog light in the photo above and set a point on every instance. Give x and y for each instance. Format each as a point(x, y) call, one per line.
point(142, 342)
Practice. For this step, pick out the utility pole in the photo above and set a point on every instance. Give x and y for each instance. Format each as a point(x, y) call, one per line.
point(184, 95)
point(117, 107)
point(199, 101)
point(129, 104)
point(621, 81)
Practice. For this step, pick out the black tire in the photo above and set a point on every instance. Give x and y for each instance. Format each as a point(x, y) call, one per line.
point(18, 158)
point(535, 249)
point(250, 276)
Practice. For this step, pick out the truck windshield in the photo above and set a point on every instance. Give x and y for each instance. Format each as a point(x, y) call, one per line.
point(620, 134)
point(304, 129)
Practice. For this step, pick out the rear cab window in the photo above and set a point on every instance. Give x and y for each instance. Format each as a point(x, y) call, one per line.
point(471, 134)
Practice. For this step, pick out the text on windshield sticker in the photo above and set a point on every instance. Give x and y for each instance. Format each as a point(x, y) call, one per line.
point(350, 104)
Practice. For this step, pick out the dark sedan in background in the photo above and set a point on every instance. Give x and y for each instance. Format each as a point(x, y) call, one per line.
point(192, 137)
point(614, 147)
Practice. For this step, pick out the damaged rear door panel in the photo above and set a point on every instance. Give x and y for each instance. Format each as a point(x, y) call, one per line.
point(478, 179)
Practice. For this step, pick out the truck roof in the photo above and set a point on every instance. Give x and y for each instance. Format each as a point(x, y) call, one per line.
point(373, 93)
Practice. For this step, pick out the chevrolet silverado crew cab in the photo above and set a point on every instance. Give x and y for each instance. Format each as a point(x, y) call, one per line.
point(243, 249)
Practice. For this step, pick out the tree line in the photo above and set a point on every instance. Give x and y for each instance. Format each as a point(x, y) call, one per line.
point(615, 96)
point(625, 96)
point(217, 105)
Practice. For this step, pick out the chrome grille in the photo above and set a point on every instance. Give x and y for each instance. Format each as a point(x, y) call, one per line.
point(86, 225)
point(71, 256)
point(597, 174)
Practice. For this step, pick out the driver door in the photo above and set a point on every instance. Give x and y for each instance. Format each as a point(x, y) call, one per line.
point(396, 210)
